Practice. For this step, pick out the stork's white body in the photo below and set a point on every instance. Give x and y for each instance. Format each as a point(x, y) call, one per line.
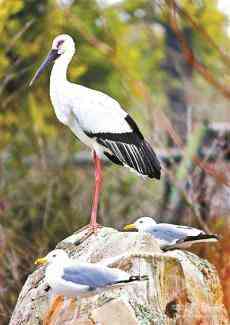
point(83, 109)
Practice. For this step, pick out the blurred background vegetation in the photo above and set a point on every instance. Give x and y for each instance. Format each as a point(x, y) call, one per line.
point(167, 63)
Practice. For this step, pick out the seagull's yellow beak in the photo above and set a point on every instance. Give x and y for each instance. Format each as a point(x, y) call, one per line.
point(41, 261)
point(131, 226)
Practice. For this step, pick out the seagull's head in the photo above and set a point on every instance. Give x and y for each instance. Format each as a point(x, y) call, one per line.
point(63, 46)
point(141, 224)
point(55, 255)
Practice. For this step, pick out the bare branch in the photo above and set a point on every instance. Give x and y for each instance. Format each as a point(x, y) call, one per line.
point(27, 25)
point(189, 55)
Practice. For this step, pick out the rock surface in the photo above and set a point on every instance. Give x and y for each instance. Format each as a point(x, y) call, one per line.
point(182, 288)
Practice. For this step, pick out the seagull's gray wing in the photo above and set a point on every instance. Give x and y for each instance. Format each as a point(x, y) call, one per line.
point(169, 234)
point(93, 276)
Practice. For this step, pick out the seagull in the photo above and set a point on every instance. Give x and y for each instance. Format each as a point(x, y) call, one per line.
point(171, 236)
point(97, 120)
point(72, 278)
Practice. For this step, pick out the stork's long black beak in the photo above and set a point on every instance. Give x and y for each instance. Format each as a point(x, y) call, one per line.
point(51, 57)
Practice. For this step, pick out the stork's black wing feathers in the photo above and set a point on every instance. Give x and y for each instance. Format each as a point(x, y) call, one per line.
point(134, 126)
point(113, 158)
point(140, 157)
point(130, 149)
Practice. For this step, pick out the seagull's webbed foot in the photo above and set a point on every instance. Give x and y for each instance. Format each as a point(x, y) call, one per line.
point(77, 313)
point(53, 310)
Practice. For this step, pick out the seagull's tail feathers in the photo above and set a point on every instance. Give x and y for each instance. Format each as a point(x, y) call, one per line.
point(138, 156)
point(133, 278)
point(190, 240)
point(202, 238)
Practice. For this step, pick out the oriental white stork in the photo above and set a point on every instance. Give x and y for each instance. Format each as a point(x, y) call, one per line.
point(97, 120)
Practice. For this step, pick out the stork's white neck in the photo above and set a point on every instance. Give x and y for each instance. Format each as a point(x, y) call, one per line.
point(59, 70)
point(59, 84)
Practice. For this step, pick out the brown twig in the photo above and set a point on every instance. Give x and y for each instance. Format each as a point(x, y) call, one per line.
point(103, 47)
point(183, 12)
point(192, 205)
point(189, 55)
point(27, 25)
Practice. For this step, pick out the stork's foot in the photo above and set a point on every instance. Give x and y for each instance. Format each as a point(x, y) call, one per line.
point(90, 229)
point(94, 227)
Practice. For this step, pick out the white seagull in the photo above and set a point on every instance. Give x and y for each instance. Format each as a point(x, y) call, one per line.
point(72, 278)
point(97, 120)
point(171, 236)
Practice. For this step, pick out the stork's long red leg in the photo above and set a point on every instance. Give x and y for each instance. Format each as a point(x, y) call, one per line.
point(98, 181)
point(93, 226)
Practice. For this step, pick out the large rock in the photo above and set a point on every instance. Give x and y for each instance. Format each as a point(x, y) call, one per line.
point(182, 288)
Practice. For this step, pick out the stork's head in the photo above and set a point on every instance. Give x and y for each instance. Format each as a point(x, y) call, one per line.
point(62, 47)
point(63, 44)
point(142, 224)
point(55, 255)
